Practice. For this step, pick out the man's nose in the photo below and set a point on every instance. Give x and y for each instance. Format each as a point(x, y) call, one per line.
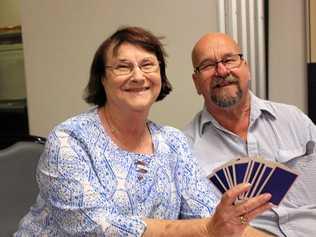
point(221, 69)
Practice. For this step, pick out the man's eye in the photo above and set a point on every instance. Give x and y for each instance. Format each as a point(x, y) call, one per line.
point(229, 60)
point(208, 65)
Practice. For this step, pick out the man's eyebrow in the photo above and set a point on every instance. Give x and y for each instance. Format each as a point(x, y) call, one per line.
point(213, 60)
point(206, 60)
point(229, 54)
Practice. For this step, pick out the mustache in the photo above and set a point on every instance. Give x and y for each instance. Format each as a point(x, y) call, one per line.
point(217, 81)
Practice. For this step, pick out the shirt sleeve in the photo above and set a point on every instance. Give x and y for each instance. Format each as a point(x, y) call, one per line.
point(311, 129)
point(67, 184)
point(198, 197)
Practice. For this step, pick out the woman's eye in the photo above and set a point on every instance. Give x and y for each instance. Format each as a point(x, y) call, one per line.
point(122, 66)
point(147, 65)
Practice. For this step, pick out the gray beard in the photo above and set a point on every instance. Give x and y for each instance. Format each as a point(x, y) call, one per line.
point(224, 101)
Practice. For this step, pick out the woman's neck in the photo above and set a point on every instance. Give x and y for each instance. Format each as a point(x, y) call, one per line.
point(128, 129)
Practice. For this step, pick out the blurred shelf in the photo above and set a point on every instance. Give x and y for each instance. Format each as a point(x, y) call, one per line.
point(10, 35)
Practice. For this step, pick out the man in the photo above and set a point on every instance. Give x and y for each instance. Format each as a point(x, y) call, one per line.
point(235, 123)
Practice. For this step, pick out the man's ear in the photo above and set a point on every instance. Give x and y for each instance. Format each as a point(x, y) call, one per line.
point(196, 83)
point(249, 73)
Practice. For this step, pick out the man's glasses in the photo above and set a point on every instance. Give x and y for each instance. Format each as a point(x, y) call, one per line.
point(229, 62)
point(125, 68)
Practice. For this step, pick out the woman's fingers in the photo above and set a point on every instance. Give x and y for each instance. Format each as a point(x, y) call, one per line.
point(254, 213)
point(252, 204)
point(231, 219)
point(230, 196)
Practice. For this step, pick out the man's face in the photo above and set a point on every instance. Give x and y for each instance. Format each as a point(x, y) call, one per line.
point(222, 76)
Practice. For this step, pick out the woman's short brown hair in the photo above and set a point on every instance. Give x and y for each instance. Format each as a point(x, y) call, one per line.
point(94, 92)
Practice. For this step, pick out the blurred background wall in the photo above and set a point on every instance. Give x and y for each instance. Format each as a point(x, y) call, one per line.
point(60, 38)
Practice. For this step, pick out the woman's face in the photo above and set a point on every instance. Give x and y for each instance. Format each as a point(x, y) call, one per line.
point(132, 79)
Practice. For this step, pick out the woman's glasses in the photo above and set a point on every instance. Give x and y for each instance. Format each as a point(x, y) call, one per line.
point(125, 68)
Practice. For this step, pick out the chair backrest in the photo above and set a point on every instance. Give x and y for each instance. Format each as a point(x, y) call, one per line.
point(18, 187)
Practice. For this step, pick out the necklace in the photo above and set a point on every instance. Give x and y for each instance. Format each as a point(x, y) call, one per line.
point(136, 144)
point(112, 129)
point(141, 166)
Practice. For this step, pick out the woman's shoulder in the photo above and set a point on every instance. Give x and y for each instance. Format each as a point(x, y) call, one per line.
point(80, 123)
point(171, 137)
point(167, 131)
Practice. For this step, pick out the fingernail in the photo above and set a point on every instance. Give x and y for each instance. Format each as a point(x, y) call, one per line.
point(267, 196)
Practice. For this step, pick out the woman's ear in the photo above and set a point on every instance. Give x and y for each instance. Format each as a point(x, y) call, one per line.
point(103, 80)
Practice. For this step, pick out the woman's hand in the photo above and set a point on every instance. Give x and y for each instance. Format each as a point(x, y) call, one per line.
point(231, 220)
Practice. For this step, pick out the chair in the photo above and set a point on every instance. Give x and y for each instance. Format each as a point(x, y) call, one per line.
point(18, 187)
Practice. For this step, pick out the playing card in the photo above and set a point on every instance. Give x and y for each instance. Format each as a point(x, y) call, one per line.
point(255, 180)
point(217, 183)
point(264, 177)
point(220, 175)
point(279, 183)
point(266, 170)
point(240, 170)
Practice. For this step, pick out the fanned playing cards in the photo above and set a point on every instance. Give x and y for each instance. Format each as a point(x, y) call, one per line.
point(264, 177)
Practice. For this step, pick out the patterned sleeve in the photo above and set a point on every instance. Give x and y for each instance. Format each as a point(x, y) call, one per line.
point(198, 196)
point(68, 185)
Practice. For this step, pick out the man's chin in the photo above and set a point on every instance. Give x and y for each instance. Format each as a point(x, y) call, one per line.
point(226, 102)
point(226, 97)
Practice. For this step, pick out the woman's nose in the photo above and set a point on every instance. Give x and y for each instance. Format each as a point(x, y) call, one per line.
point(137, 74)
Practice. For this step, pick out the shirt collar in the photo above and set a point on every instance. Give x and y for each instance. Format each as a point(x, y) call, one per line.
point(205, 119)
point(257, 107)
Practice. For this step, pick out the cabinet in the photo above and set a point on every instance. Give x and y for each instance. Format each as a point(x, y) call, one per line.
point(13, 109)
point(13, 122)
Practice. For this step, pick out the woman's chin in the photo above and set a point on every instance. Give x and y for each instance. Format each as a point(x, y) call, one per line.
point(140, 107)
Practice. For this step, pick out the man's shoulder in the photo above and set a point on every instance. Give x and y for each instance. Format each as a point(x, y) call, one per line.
point(191, 128)
point(286, 117)
point(277, 105)
point(282, 110)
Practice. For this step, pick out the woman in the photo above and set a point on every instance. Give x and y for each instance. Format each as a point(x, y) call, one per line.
point(111, 172)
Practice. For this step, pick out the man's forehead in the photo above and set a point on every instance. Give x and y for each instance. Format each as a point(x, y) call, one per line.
point(217, 45)
point(214, 45)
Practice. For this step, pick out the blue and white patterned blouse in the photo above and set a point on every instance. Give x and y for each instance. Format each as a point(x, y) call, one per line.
point(91, 187)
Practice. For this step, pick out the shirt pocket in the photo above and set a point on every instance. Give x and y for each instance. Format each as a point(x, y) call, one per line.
point(303, 191)
point(284, 156)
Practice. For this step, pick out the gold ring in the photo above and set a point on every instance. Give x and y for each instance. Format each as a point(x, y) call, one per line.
point(243, 220)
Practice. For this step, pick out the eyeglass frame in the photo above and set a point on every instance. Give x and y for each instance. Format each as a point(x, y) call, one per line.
point(198, 70)
point(134, 65)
